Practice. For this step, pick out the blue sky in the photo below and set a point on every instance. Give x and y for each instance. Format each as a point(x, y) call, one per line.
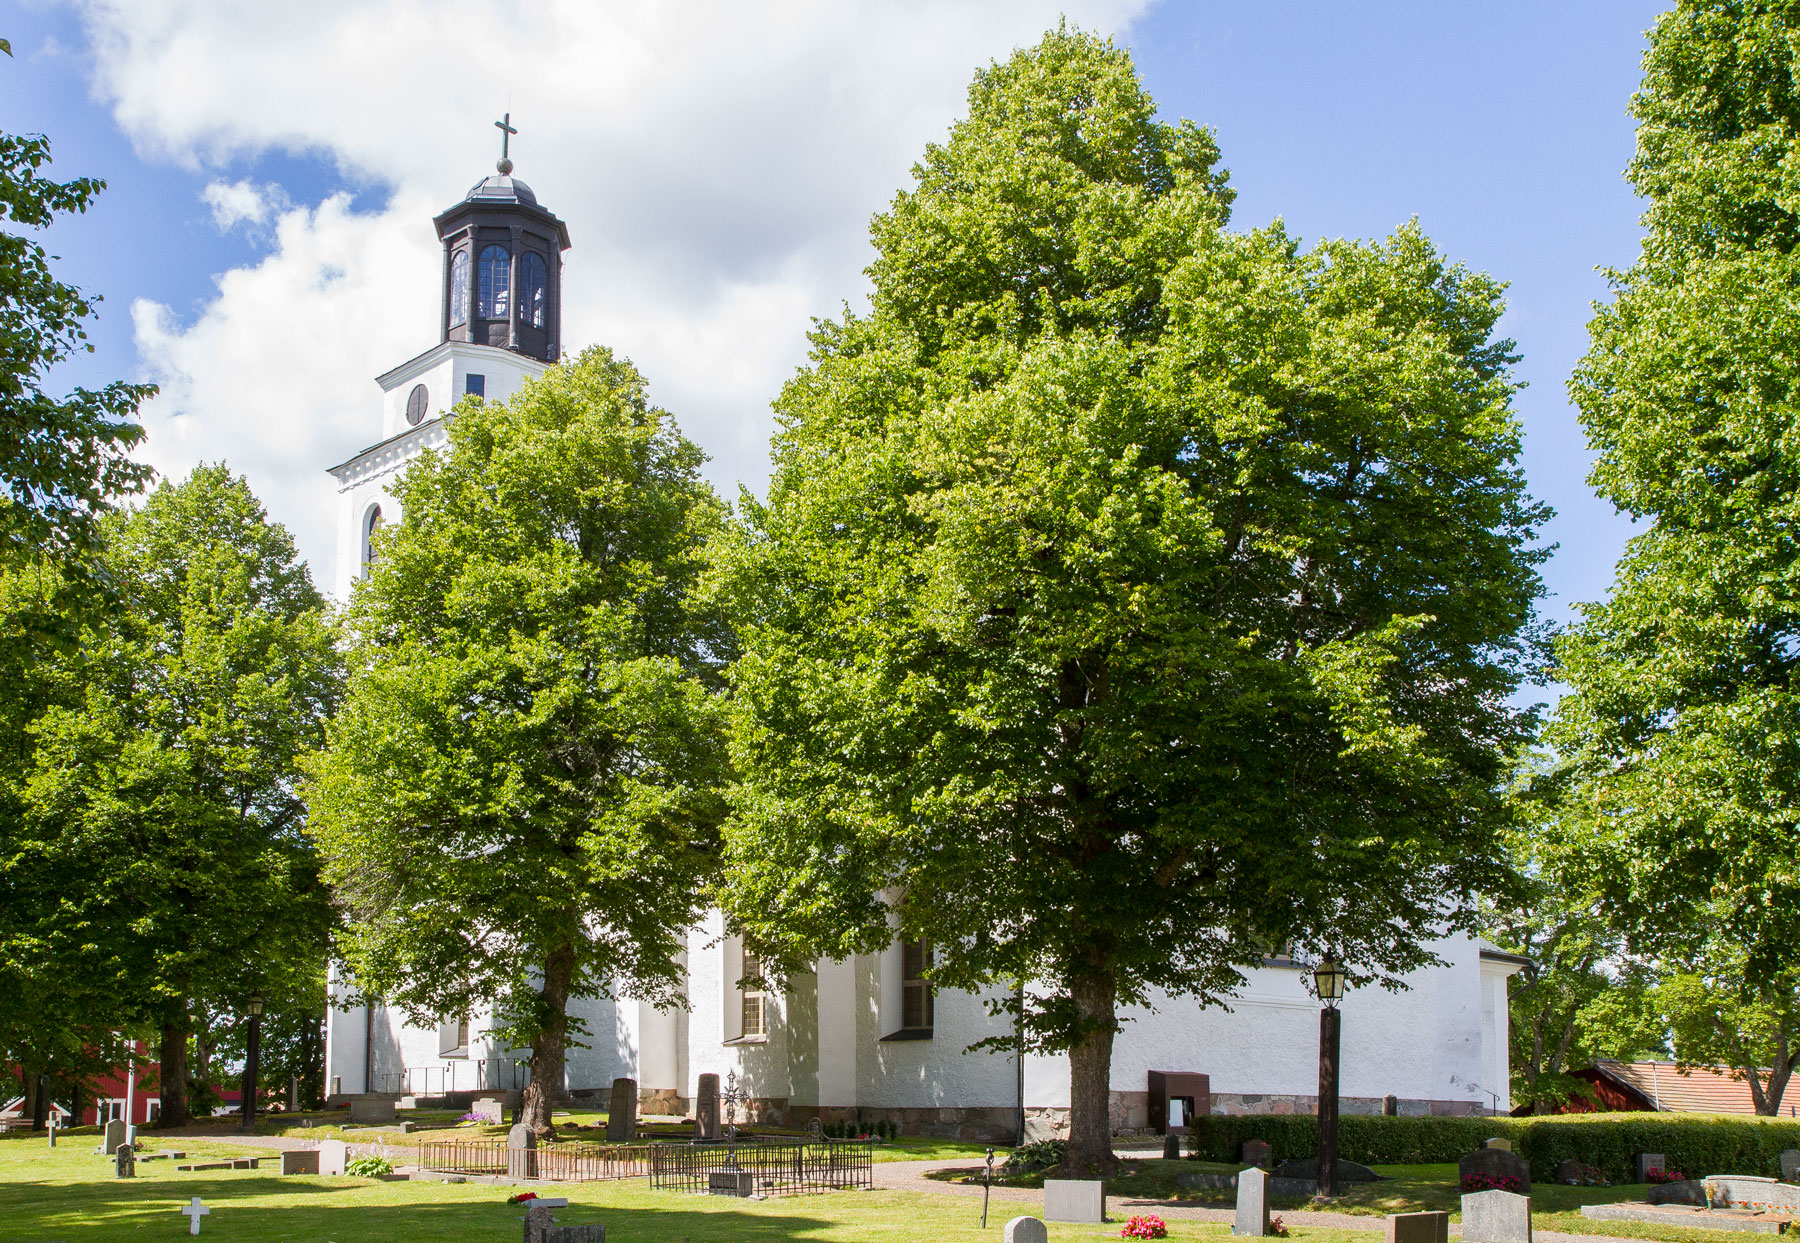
point(718, 184)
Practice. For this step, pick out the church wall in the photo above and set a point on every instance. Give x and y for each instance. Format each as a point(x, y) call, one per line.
point(761, 1066)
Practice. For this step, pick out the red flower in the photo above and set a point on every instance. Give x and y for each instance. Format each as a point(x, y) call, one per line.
point(1147, 1226)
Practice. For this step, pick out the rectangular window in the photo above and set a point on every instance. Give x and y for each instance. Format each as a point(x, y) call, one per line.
point(915, 989)
point(755, 1017)
point(475, 383)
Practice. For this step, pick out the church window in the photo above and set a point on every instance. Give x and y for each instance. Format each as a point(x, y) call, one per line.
point(459, 288)
point(915, 990)
point(475, 383)
point(755, 1010)
point(531, 289)
point(371, 524)
point(495, 279)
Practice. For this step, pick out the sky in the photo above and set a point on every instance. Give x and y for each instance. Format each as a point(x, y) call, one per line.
point(264, 247)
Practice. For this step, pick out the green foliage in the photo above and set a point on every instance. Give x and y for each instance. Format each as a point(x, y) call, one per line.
point(368, 1167)
point(1045, 1154)
point(1609, 1142)
point(1118, 573)
point(521, 795)
point(60, 459)
point(1681, 729)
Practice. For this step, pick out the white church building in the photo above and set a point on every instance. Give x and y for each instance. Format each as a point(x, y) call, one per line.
point(867, 1038)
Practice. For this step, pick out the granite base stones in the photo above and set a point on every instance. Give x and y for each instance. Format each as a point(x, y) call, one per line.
point(621, 1112)
point(1026, 1230)
point(332, 1153)
point(1308, 1171)
point(1682, 1191)
point(1417, 1228)
point(1680, 1215)
point(1647, 1161)
point(1496, 1217)
point(1495, 1163)
point(300, 1161)
point(1252, 1204)
point(1075, 1199)
point(1256, 1152)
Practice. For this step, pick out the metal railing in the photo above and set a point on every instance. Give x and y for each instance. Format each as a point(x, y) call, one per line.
point(489, 1074)
point(764, 1165)
point(563, 1163)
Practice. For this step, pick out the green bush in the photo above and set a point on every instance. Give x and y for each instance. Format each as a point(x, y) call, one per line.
point(1696, 1144)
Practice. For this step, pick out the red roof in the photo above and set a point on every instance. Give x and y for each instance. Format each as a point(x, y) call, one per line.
point(1687, 1090)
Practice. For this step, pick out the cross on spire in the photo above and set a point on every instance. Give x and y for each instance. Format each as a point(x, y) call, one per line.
point(505, 126)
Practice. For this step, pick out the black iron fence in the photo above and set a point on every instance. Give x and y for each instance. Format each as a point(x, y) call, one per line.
point(763, 1165)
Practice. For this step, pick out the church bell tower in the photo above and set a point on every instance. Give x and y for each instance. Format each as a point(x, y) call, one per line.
point(500, 324)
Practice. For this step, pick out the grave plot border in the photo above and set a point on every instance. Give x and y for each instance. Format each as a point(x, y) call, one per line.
point(575, 1163)
point(777, 1165)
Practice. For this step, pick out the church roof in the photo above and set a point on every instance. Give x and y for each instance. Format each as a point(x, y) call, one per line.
point(501, 189)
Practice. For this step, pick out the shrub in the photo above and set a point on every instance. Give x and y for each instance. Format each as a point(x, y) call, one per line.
point(1147, 1226)
point(368, 1167)
point(1712, 1143)
point(1030, 1158)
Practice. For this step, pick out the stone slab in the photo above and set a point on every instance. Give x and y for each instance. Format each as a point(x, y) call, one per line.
point(332, 1155)
point(1743, 1191)
point(1026, 1230)
point(1496, 1217)
point(621, 1111)
point(1684, 1191)
point(1495, 1163)
point(731, 1183)
point(1504, 1145)
point(1075, 1199)
point(372, 1110)
point(300, 1161)
point(1308, 1171)
point(575, 1234)
point(1417, 1228)
point(1645, 1162)
point(1252, 1217)
point(1680, 1215)
point(489, 1108)
point(1256, 1152)
point(115, 1135)
point(1790, 1165)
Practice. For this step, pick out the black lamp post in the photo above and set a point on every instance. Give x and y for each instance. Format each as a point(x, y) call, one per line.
point(252, 1054)
point(1328, 981)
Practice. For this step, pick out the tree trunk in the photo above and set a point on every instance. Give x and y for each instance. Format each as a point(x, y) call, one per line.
point(546, 1084)
point(39, 1092)
point(172, 1072)
point(1090, 1152)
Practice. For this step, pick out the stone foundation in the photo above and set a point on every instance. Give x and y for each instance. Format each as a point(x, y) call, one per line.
point(666, 1102)
point(1253, 1103)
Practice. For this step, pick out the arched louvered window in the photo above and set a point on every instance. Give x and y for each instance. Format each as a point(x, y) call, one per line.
point(532, 280)
point(494, 283)
point(371, 524)
point(459, 288)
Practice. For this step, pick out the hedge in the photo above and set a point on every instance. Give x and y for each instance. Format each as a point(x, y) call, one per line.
point(1695, 1144)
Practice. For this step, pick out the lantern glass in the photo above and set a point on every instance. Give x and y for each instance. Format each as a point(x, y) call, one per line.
point(256, 1005)
point(1329, 978)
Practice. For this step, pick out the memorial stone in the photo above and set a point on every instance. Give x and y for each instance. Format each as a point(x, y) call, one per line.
point(372, 1110)
point(1256, 1152)
point(51, 1132)
point(1647, 1161)
point(1417, 1228)
point(300, 1161)
point(1390, 1106)
point(706, 1108)
point(1504, 1145)
point(1790, 1165)
point(1252, 1204)
point(621, 1111)
point(575, 1234)
point(1026, 1230)
point(1075, 1199)
point(521, 1152)
point(1496, 1217)
point(1496, 1163)
point(194, 1212)
point(115, 1135)
point(1171, 1148)
point(332, 1153)
point(489, 1108)
point(126, 1157)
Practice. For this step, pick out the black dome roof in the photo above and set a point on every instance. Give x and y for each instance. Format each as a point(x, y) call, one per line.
point(501, 189)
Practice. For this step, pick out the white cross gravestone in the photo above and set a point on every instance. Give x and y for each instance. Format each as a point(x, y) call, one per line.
point(194, 1212)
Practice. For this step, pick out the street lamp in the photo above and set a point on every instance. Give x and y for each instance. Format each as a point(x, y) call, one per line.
point(1328, 981)
point(252, 1053)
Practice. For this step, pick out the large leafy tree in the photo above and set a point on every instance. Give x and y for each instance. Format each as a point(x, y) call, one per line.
point(521, 796)
point(1130, 593)
point(60, 457)
point(156, 859)
point(1684, 719)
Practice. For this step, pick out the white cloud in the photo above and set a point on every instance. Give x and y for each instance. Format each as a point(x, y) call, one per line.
point(717, 163)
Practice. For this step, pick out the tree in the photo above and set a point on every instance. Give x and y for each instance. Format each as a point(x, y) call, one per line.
point(60, 459)
point(1130, 594)
point(1684, 711)
point(157, 855)
point(1718, 1019)
point(521, 795)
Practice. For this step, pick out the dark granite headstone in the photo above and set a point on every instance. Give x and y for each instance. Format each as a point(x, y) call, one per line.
point(1496, 1163)
point(1308, 1171)
point(1171, 1147)
point(126, 1157)
point(621, 1111)
point(1790, 1165)
point(1417, 1228)
point(706, 1108)
point(1390, 1108)
point(1647, 1161)
point(1256, 1152)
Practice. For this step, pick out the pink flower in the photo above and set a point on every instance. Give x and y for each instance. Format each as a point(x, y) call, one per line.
point(1145, 1227)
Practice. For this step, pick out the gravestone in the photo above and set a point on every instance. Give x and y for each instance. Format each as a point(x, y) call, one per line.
point(1075, 1199)
point(538, 1221)
point(1496, 1217)
point(489, 1108)
point(1504, 1145)
point(115, 1135)
point(1307, 1170)
point(1417, 1228)
point(1171, 1148)
point(1689, 1191)
point(1256, 1152)
point(706, 1108)
point(621, 1111)
point(1496, 1163)
point(1390, 1106)
point(372, 1110)
point(1647, 1161)
point(575, 1234)
point(731, 1183)
point(332, 1153)
point(51, 1132)
point(1026, 1230)
point(1790, 1165)
point(126, 1157)
point(300, 1161)
point(521, 1152)
point(194, 1212)
point(1252, 1204)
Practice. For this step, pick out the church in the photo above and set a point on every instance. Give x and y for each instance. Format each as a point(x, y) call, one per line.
point(870, 1038)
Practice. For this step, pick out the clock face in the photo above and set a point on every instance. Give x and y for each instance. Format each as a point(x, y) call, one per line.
point(417, 402)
